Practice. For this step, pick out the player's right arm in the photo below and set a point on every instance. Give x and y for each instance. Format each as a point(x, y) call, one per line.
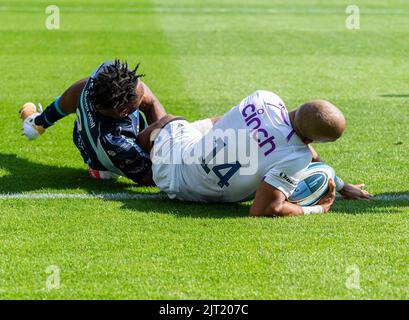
point(271, 202)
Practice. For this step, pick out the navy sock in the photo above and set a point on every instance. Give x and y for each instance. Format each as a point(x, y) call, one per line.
point(50, 115)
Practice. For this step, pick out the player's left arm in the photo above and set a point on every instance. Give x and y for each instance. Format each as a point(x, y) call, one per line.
point(278, 183)
point(62, 106)
point(69, 99)
point(348, 191)
point(315, 156)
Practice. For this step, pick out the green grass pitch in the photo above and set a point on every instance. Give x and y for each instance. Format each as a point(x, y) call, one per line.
point(201, 58)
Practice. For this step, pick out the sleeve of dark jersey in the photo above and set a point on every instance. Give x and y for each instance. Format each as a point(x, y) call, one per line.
point(127, 156)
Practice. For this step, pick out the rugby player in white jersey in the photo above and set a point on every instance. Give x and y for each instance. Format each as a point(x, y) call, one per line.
point(258, 150)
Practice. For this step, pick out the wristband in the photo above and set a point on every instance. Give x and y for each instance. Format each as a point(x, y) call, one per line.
point(339, 183)
point(50, 115)
point(313, 210)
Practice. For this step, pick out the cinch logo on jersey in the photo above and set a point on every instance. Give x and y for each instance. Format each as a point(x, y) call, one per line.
point(251, 117)
point(286, 178)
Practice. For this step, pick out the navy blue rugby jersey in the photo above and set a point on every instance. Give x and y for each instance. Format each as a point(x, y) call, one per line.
point(109, 144)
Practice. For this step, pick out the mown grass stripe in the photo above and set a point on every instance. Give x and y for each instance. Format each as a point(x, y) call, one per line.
point(138, 196)
point(209, 10)
point(108, 196)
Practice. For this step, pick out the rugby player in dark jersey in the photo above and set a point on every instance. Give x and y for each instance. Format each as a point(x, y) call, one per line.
point(108, 107)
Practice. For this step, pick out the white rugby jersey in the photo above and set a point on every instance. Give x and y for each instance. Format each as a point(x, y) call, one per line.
point(252, 142)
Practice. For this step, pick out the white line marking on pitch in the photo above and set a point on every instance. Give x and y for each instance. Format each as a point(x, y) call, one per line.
point(176, 10)
point(137, 196)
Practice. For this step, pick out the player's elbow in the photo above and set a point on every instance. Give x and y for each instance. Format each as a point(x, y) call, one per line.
point(255, 211)
point(273, 210)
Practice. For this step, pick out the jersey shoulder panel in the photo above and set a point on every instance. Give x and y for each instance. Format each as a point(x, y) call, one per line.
point(85, 91)
point(101, 67)
point(270, 97)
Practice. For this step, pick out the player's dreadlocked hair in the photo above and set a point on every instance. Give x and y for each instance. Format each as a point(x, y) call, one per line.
point(114, 86)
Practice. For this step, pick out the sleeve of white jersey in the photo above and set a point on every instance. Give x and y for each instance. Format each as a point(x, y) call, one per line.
point(286, 175)
point(262, 96)
point(270, 97)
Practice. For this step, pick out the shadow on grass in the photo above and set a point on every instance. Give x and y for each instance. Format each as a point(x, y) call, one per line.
point(390, 203)
point(189, 209)
point(394, 95)
point(231, 210)
point(26, 176)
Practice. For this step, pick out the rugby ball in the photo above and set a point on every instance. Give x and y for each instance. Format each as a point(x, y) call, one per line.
point(313, 185)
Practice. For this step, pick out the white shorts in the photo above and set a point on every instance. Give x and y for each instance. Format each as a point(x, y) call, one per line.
point(204, 126)
point(167, 154)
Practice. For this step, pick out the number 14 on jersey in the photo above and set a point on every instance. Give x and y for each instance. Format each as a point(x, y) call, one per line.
point(223, 171)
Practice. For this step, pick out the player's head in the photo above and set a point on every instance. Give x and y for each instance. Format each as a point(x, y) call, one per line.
point(115, 91)
point(319, 121)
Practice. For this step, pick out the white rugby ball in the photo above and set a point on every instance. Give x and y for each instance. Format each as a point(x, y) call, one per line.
point(314, 184)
